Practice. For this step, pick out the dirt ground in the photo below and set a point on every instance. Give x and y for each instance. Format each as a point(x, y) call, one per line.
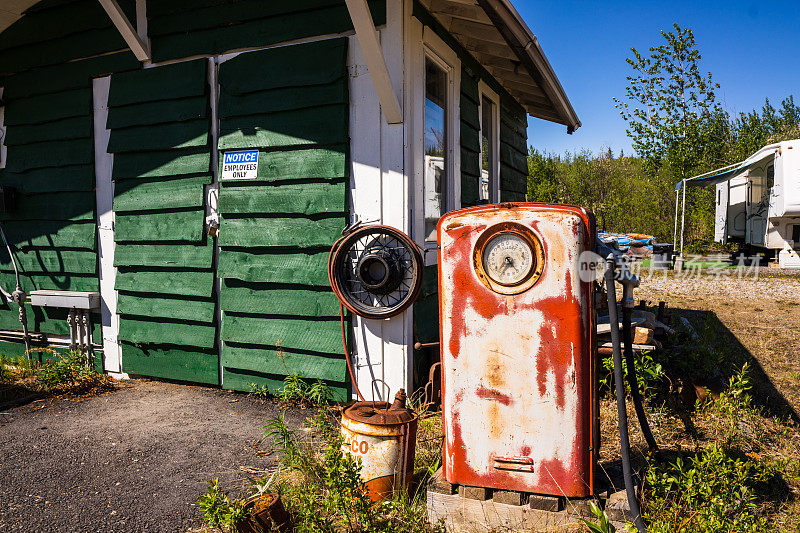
point(135, 459)
point(762, 314)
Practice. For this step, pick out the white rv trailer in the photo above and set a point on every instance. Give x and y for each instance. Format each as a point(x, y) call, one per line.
point(757, 201)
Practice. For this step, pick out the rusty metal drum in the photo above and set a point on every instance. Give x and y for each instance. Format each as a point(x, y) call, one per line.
point(519, 401)
point(382, 437)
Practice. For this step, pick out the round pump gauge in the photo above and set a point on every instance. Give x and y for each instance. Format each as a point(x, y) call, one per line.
point(508, 258)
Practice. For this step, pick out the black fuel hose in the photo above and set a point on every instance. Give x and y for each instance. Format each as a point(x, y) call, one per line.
point(633, 382)
point(624, 442)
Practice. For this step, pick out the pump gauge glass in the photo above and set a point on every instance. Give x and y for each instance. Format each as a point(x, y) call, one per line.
point(507, 259)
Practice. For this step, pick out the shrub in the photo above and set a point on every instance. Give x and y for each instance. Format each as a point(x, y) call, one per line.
point(712, 491)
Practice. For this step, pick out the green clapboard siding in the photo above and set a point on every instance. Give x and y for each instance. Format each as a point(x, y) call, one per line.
point(305, 268)
point(160, 137)
point(176, 308)
point(61, 179)
point(305, 198)
point(153, 331)
point(315, 125)
point(163, 255)
point(48, 114)
point(55, 281)
point(277, 301)
point(49, 107)
point(306, 366)
point(53, 206)
point(132, 195)
point(327, 162)
point(48, 233)
point(172, 226)
point(183, 364)
point(513, 152)
point(177, 282)
point(58, 130)
point(323, 336)
point(51, 260)
point(160, 133)
point(162, 163)
point(283, 232)
point(279, 315)
point(215, 32)
point(179, 110)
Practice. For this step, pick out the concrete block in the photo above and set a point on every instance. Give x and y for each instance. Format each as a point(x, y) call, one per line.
point(546, 503)
point(475, 493)
point(510, 497)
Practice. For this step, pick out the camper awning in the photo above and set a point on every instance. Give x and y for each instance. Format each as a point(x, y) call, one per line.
point(725, 173)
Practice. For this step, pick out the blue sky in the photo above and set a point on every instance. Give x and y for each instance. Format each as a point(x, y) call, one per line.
point(751, 48)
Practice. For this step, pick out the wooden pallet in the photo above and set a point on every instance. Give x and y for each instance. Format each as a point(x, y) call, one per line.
point(477, 509)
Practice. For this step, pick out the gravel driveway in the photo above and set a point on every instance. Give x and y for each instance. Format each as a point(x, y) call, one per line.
point(135, 459)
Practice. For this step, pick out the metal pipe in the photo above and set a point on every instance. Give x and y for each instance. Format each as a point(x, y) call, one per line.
point(19, 297)
point(624, 442)
point(89, 340)
point(683, 217)
point(72, 328)
point(675, 225)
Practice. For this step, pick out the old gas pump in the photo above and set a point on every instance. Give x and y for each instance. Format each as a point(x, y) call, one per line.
point(518, 353)
point(519, 398)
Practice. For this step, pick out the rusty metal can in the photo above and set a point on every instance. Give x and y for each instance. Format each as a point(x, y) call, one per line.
point(382, 437)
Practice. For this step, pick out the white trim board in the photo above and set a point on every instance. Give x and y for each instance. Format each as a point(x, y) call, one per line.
point(379, 188)
point(422, 43)
point(104, 193)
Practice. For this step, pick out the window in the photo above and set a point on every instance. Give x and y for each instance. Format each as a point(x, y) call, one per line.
point(489, 184)
point(770, 178)
point(434, 155)
point(435, 140)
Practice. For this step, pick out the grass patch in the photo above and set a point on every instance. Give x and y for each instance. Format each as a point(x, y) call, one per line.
point(320, 484)
point(62, 373)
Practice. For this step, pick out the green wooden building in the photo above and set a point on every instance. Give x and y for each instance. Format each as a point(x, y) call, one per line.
point(115, 117)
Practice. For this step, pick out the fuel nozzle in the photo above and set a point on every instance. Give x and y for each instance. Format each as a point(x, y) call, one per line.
point(626, 278)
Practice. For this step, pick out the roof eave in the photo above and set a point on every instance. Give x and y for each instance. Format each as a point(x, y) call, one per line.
point(526, 46)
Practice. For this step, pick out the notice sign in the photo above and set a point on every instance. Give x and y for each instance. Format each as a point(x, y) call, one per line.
point(240, 165)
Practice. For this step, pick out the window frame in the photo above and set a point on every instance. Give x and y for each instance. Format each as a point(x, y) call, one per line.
point(429, 45)
point(494, 180)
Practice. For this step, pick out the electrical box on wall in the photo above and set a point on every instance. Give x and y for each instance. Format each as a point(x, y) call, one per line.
point(517, 333)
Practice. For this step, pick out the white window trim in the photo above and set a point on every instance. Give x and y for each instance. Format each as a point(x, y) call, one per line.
point(3, 149)
point(485, 92)
point(425, 43)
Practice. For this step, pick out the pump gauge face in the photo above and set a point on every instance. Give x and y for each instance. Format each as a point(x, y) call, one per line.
point(509, 258)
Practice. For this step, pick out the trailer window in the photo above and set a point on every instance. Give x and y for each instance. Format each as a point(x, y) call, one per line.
point(770, 178)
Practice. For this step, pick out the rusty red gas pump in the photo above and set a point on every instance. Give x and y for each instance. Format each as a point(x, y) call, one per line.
point(519, 395)
point(518, 353)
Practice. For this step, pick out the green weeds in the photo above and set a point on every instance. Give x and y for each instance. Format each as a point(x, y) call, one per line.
point(711, 491)
point(295, 391)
